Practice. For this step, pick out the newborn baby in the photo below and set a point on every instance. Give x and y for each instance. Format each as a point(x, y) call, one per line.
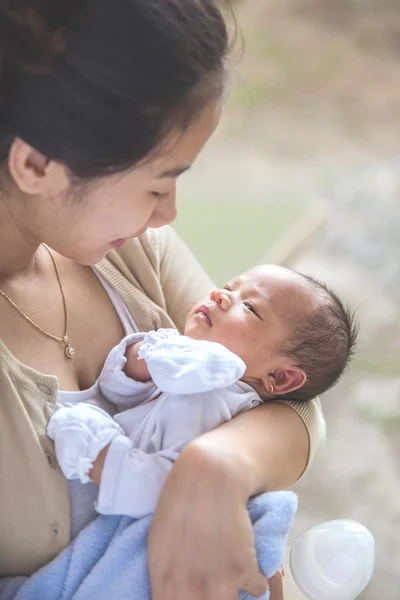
point(271, 333)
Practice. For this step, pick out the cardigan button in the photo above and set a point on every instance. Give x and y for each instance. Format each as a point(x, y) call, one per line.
point(54, 531)
point(44, 388)
point(51, 459)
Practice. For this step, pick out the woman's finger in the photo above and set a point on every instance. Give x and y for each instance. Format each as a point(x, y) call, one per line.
point(205, 590)
point(257, 585)
point(276, 587)
point(211, 557)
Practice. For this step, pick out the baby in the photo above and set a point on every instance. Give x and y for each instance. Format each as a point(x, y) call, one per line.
point(272, 333)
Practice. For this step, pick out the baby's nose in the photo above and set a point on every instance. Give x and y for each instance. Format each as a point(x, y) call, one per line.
point(222, 298)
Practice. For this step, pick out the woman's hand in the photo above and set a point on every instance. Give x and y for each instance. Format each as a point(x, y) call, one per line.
point(276, 587)
point(201, 544)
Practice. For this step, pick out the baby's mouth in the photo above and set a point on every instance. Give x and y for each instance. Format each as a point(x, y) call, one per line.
point(203, 310)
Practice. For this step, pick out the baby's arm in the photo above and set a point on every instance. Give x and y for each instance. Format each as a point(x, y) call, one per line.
point(87, 440)
point(132, 478)
point(134, 368)
point(91, 445)
point(181, 365)
point(124, 379)
point(80, 433)
point(83, 433)
point(175, 363)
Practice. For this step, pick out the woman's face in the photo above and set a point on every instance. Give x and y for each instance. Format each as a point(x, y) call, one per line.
point(119, 206)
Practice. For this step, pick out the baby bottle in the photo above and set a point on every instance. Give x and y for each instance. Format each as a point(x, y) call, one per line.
point(332, 561)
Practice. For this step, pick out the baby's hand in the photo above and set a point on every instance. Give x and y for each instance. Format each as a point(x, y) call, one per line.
point(134, 368)
point(80, 434)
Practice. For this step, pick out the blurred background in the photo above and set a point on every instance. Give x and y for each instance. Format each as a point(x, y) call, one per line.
point(305, 171)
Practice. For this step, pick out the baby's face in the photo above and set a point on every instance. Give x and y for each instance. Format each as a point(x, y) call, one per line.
point(250, 315)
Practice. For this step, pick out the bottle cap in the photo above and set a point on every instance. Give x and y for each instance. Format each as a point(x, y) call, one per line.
point(333, 561)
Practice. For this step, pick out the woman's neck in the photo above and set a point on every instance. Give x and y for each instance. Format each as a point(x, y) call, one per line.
point(18, 254)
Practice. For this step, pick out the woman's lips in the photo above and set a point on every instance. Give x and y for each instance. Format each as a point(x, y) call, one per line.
point(204, 313)
point(118, 243)
point(121, 241)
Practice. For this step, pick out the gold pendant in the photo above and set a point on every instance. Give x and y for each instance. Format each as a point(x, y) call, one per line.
point(69, 351)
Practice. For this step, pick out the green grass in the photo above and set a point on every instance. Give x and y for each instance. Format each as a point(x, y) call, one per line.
point(376, 364)
point(299, 66)
point(267, 45)
point(249, 93)
point(388, 424)
point(228, 237)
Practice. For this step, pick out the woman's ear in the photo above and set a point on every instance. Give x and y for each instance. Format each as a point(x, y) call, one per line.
point(34, 173)
point(285, 380)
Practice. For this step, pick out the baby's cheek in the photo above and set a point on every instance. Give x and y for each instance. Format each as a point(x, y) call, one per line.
point(193, 331)
point(234, 343)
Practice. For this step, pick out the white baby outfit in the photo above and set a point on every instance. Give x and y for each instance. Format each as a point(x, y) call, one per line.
point(194, 388)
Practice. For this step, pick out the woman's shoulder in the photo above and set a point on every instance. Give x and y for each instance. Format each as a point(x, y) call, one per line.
point(313, 418)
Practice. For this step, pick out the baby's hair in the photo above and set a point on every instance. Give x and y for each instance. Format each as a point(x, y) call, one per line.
point(323, 343)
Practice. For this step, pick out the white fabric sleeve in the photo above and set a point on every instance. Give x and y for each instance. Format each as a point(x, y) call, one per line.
point(133, 477)
point(182, 365)
point(80, 433)
point(123, 391)
point(132, 480)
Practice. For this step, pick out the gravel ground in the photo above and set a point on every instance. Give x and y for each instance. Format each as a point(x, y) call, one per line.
point(357, 473)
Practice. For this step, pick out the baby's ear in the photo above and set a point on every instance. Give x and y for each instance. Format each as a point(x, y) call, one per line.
point(285, 380)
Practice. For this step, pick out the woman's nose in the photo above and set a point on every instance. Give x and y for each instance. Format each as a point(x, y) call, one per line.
point(222, 298)
point(165, 212)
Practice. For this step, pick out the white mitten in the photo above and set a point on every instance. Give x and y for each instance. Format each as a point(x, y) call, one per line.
point(80, 433)
point(181, 365)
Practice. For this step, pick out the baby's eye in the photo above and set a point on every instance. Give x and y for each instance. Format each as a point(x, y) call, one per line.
point(227, 287)
point(251, 308)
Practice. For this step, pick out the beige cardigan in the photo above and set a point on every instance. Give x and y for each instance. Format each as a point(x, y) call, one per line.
point(159, 280)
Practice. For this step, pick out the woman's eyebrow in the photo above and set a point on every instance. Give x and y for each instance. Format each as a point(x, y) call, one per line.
point(174, 172)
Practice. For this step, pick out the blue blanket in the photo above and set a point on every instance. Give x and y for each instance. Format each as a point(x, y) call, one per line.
point(108, 559)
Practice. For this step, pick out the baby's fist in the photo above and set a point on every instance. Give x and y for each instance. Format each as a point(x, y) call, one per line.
point(135, 368)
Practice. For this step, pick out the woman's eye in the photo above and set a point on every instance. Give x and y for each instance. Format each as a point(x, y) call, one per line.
point(160, 195)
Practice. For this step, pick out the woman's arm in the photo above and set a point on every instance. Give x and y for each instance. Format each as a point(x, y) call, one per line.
point(201, 543)
point(271, 442)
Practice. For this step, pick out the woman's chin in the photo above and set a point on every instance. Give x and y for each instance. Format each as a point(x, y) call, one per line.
point(89, 258)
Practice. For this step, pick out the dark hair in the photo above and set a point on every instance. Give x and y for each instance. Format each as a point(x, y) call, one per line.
point(97, 84)
point(322, 344)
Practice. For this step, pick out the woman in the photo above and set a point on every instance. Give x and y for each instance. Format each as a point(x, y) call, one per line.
point(103, 105)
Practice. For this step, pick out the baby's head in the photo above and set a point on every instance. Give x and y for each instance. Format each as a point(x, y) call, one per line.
point(294, 334)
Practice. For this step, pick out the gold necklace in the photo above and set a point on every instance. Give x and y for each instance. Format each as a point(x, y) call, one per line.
point(68, 349)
